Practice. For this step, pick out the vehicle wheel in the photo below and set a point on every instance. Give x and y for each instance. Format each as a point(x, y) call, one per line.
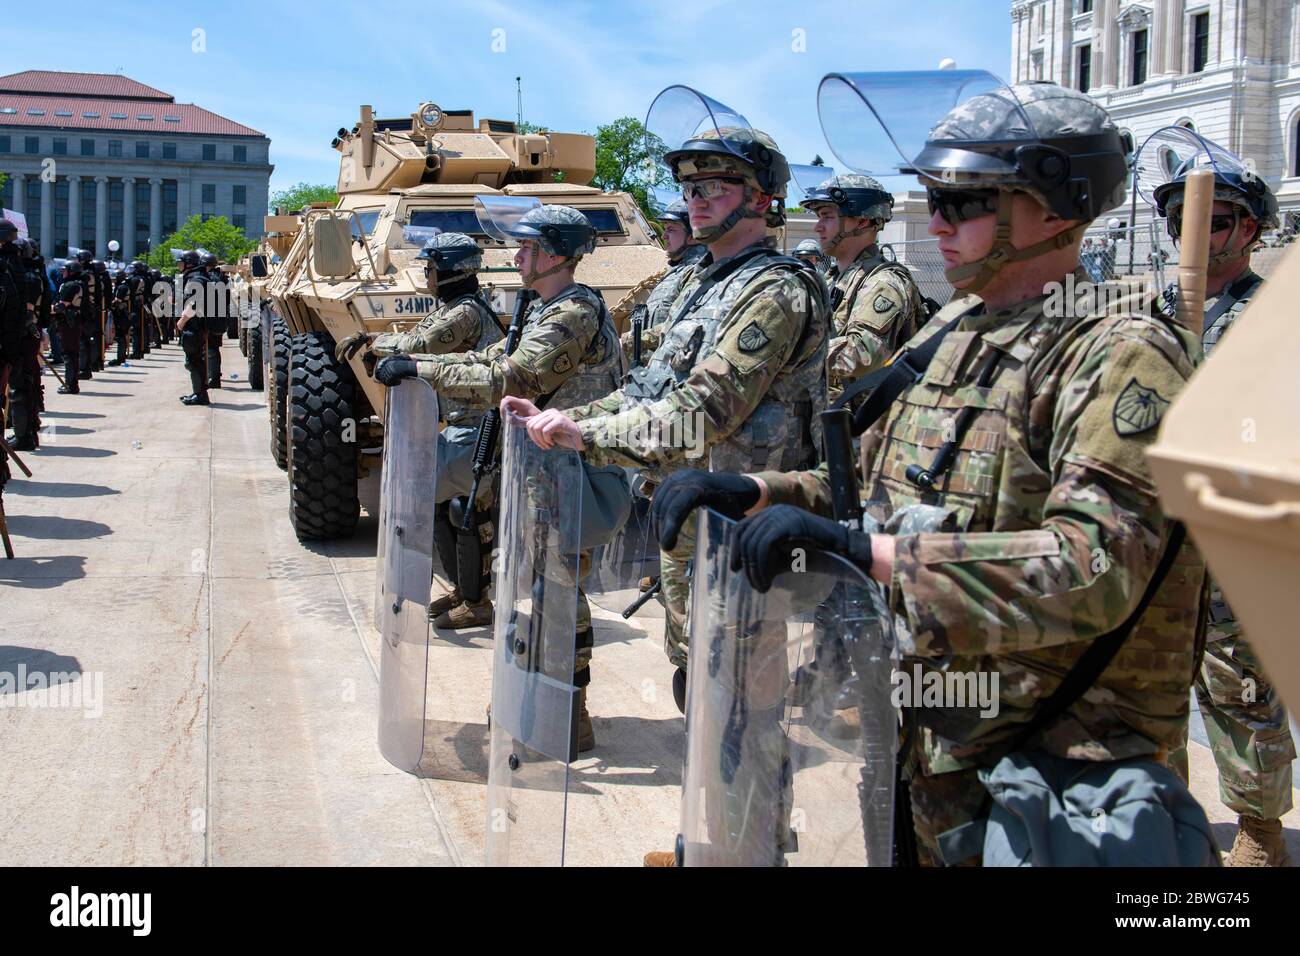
point(278, 389)
point(323, 499)
point(254, 353)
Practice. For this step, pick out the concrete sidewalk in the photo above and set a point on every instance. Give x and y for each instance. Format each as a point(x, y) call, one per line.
point(221, 678)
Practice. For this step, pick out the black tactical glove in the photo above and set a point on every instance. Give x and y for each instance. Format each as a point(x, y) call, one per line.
point(393, 369)
point(350, 346)
point(684, 491)
point(765, 542)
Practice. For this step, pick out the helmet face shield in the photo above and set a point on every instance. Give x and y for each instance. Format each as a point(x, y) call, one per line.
point(499, 216)
point(879, 123)
point(680, 115)
point(1169, 154)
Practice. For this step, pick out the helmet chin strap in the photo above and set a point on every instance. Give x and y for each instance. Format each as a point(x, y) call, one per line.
point(734, 218)
point(1227, 255)
point(833, 242)
point(530, 278)
point(1005, 251)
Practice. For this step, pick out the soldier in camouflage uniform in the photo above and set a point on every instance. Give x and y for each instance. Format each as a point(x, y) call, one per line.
point(875, 304)
point(739, 377)
point(1057, 530)
point(1244, 718)
point(684, 250)
point(567, 355)
point(463, 322)
point(810, 251)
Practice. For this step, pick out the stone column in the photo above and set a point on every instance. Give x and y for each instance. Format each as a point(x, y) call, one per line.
point(101, 216)
point(128, 218)
point(1110, 65)
point(1156, 39)
point(20, 192)
point(47, 218)
point(1173, 37)
point(74, 211)
point(155, 212)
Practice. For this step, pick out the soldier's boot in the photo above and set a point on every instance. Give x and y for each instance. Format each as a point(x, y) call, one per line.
point(586, 732)
point(659, 858)
point(466, 614)
point(440, 606)
point(1259, 843)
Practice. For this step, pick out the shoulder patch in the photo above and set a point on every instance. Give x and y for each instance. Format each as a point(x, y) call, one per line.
point(752, 338)
point(447, 337)
point(883, 303)
point(1137, 409)
point(562, 364)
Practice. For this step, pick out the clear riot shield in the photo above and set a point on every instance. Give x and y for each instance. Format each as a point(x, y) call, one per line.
point(499, 215)
point(534, 701)
point(768, 781)
point(679, 114)
point(613, 582)
point(808, 178)
point(406, 568)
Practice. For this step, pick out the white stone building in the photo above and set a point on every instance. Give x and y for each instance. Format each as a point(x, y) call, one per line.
point(1230, 69)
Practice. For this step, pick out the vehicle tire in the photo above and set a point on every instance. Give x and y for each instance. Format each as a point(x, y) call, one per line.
point(323, 501)
point(277, 391)
point(254, 338)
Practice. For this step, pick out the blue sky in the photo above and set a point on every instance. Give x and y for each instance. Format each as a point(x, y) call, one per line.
point(298, 72)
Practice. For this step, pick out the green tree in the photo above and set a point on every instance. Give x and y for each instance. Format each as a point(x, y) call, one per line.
point(295, 197)
point(629, 160)
point(217, 235)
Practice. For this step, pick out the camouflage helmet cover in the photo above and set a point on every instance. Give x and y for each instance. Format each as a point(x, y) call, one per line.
point(559, 230)
point(749, 154)
point(452, 252)
point(854, 195)
point(808, 247)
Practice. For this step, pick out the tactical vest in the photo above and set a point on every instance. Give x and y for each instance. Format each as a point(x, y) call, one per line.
point(601, 368)
point(659, 303)
point(455, 411)
point(783, 432)
point(1227, 308)
point(847, 285)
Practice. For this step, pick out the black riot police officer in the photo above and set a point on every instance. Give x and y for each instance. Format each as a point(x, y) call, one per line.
point(218, 306)
point(192, 326)
point(68, 305)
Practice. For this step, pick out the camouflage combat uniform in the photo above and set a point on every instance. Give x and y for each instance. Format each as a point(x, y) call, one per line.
point(740, 374)
point(658, 305)
point(1057, 533)
point(1245, 720)
point(876, 307)
point(568, 351)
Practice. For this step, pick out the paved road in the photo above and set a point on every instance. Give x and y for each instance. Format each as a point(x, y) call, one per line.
point(219, 697)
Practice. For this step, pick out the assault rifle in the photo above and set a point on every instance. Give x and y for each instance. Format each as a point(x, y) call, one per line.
point(487, 444)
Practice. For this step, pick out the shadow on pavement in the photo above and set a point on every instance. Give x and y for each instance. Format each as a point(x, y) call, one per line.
point(19, 664)
point(54, 528)
point(234, 407)
point(87, 394)
point(75, 451)
point(60, 414)
point(41, 573)
point(49, 433)
point(58, 489)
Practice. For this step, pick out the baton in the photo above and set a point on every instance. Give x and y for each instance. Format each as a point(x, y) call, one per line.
point(1198, 202)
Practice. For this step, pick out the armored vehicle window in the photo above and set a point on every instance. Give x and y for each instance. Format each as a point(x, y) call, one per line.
point(367, 218)
point(605, 221)
point(448, 220)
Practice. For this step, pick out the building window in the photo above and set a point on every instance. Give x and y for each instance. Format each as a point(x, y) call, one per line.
point(241, 154)
point(89, 207)
point(209, 152)
point(1126, 139)
point(33, 204)
point(169, 214)
point(239, 222)
point(141, 150)
point(1083, 6)
point(60, 146)
point(209, 193)
point(31, 144)
point(87, 147)
point(1200, 41)
point(141, 224)
point(169, 150)
point(1138, 75)
point(115, 147)
point(4, 144)
point(1084, 72)
point(205, 217)
point(239, 195)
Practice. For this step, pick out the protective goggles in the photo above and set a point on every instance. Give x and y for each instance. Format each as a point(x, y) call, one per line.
point(710, 188)
point(961, 205)
point(1217, 223)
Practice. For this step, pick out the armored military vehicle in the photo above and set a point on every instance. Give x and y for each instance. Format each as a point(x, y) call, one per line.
point(352, 268)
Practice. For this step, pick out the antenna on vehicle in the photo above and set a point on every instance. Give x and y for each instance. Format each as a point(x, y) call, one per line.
point(519, 102)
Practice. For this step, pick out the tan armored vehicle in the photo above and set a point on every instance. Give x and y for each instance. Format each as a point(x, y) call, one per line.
point(353, 268)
